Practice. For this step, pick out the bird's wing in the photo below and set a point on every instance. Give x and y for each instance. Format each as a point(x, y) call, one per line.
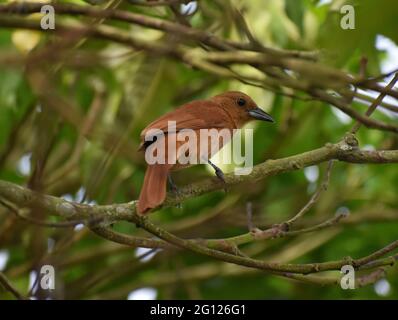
point(194, 115)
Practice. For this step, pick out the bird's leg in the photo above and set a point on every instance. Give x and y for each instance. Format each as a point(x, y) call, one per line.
point(219, 174)
point(173, 188)
point(172, 185)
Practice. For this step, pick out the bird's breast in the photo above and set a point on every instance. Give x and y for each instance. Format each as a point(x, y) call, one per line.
point(189, 147)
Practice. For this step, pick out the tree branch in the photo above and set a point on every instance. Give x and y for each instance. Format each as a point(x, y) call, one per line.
point(9, 287)
point(347, 151)
point(376, 102)
point(313, 77)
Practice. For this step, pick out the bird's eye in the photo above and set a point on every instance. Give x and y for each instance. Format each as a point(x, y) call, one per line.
point(241, 102)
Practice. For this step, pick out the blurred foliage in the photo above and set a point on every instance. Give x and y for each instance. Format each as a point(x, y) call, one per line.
point(111, 100)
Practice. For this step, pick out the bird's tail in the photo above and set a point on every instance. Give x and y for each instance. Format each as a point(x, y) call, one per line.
point(153, 191)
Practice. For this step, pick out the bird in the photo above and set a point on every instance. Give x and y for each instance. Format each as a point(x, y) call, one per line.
point(226, 111)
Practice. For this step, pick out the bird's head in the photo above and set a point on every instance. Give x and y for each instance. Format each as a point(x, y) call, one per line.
point(241, 107)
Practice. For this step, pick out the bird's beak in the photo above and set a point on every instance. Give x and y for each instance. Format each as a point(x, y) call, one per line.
point(259, 114)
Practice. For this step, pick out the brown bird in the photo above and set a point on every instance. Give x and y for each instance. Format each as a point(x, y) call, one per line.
point(229, 110)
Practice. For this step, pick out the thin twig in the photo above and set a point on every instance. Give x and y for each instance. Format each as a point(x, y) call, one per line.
point(376, 103)
point(257, 264)
point(249, 213)
point(156, 3)
point(9, 287)
point(63, 224)
point(323, 187)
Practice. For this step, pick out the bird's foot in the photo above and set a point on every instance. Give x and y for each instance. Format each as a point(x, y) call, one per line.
point(174, 188)
point(219, 174)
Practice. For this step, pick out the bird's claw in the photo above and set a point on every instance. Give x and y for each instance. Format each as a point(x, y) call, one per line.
point(175, 190)
point(220, 175)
